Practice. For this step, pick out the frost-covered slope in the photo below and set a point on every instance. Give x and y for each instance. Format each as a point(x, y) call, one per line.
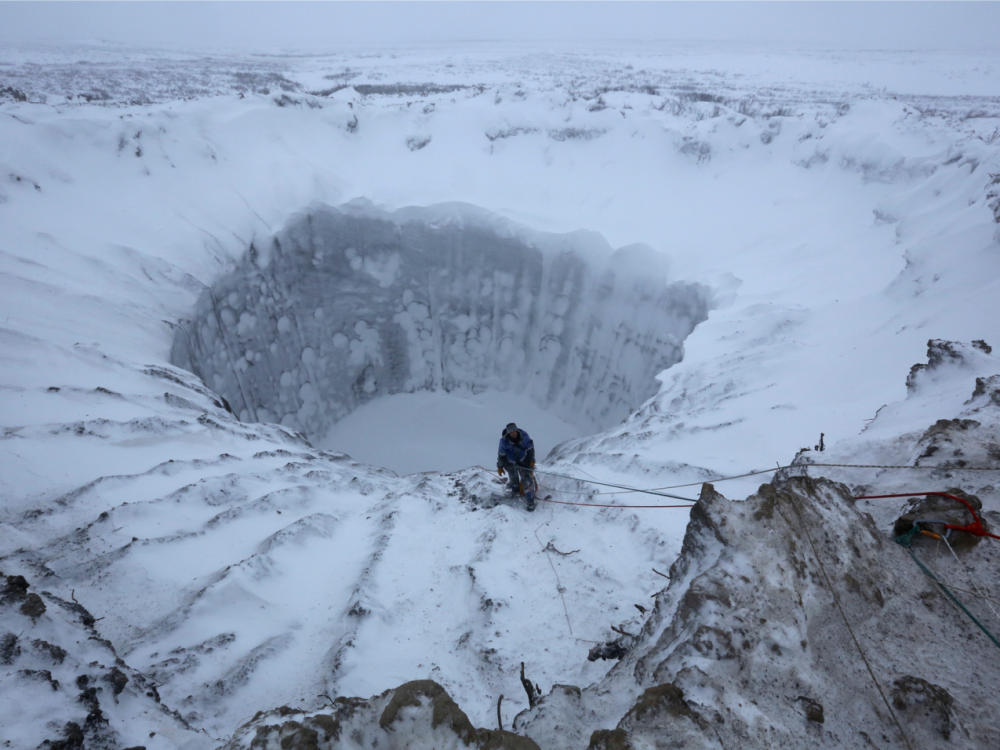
point(838, 226)
point(272, 572)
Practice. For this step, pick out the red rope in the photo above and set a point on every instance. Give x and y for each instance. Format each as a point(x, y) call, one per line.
point(975, 528)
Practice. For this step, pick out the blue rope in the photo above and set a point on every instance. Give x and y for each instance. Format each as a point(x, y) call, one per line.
point(906, 540)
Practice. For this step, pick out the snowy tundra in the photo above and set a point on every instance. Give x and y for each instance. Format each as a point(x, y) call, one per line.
point(683, 264)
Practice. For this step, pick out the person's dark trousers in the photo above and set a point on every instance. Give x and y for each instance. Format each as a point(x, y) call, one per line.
point(521, 477)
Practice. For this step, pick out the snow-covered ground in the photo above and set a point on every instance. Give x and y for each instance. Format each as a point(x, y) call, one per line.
point(839, 210)
point(435, 431)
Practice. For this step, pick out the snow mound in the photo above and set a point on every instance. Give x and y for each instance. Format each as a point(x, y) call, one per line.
point(349, 304)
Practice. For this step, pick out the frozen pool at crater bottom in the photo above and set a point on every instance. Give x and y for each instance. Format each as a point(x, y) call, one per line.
point(438, 431)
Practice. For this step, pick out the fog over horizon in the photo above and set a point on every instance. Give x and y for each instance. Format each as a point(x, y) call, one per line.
point(316, 25)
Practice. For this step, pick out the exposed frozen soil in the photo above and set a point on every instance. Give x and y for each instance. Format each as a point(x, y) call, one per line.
point(841, 209)
point(347, 305)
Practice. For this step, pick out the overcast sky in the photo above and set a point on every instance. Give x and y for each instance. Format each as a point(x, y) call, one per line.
point(894, 25)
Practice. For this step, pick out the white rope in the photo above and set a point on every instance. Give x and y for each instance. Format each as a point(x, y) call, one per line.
point(978, 592)
point(559, 587)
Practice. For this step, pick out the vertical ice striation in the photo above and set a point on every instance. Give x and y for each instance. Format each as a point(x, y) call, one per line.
point(348, 304)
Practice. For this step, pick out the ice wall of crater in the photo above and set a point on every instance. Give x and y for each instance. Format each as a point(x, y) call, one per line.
point(348, 304)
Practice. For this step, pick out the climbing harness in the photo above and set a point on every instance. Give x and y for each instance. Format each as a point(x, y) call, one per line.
point(975, 528)
point(905, 540)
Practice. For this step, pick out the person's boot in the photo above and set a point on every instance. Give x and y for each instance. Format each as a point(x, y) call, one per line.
point(531, 501)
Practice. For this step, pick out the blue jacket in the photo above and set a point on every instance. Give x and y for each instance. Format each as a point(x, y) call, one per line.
point(521, 453)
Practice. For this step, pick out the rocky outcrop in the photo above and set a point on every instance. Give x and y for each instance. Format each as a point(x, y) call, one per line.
point(971, 437)
point(15, 591)
point(415, 714)
point(941, 354)
point(948, 424)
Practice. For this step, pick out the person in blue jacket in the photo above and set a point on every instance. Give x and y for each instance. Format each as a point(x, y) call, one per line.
point(516, 456)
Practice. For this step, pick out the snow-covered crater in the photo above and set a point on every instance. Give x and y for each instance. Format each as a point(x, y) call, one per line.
point(350, 304)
